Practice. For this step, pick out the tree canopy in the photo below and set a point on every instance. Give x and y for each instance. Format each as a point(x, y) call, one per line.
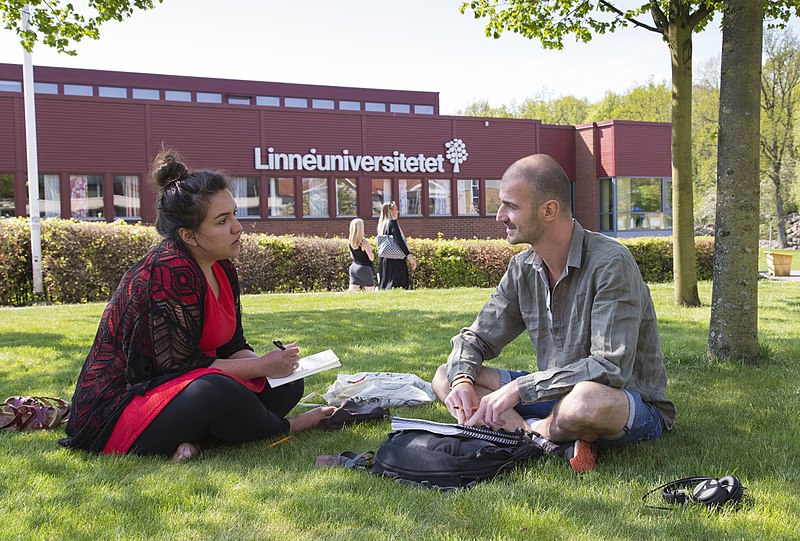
point(59, 25)
point(675, 21)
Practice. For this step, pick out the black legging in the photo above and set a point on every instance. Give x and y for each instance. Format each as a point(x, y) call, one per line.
point(218, 409)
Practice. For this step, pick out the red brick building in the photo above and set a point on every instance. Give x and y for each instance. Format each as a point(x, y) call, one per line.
point(306, 159)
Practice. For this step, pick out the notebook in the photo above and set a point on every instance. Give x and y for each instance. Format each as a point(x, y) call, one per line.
point(450, 429)
point(307, 366)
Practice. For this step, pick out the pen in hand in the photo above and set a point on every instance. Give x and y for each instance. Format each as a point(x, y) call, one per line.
point(474, 408)
point(280, 346)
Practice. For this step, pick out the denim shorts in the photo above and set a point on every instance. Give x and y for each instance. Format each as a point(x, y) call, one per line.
point(644, 421)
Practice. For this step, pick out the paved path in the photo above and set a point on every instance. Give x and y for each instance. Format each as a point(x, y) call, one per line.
point(794, 276)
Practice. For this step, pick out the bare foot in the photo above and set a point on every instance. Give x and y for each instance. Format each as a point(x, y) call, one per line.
point(310, 419)
point(185, 451)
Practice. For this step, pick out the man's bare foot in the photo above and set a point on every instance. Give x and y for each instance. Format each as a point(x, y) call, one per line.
point(185, 451)
point(310, 419)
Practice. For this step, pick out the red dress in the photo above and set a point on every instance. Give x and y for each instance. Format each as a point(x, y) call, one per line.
point(218, 329)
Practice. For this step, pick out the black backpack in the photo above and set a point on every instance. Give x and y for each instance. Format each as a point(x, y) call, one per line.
point(447, 462)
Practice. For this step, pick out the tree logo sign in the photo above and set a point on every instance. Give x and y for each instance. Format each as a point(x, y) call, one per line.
point(456, 153)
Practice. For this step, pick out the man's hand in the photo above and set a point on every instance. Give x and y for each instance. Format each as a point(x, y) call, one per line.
point(494, 405)
point(462, 401)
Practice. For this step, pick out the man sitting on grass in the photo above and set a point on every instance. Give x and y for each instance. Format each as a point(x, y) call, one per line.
point(581, 298)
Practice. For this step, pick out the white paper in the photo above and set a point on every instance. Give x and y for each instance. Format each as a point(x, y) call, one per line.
point(313, 364)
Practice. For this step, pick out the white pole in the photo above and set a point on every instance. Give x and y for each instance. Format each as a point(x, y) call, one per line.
point(33, 162)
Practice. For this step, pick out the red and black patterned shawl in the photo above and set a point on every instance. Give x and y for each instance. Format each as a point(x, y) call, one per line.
point(149, 334)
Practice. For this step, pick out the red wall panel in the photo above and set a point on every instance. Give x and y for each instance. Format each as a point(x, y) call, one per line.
point(643, 149)
point(88, 136)
point(207, 137)
point(559, 142)
point(607, 149)
point(493, 148)
point(411, 136)
point(8, 134)
point(298, 132)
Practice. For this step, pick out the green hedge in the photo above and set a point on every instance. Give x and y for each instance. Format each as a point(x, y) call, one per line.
point(83, 261)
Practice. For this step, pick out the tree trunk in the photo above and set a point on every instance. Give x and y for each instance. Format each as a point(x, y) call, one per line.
point(780, 215)
point(679, 39)
point(733, 332)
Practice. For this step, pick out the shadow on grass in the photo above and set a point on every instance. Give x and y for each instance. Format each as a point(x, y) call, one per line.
point(732, 419)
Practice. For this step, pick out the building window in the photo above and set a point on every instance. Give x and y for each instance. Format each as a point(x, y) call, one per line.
point(245, 193)
point(300, 103)
point(381, 193)
point(49, 196)
point(641, 204)
point(239, 100)
point(127, 202)
point(281, 197)
point(399, 108)
point(423, 109)
point(322, 104)
point(468, 197)
point(375, 107)
point(10, 86)
point(410, 196)
point(86, 196)
point(315, 198)
point(346, 196)
point(6, 195)
point(268, 101)
point(209, 97)
point(349, 105)
point(439, 197)
point(606, 201)
point(492, 197)
point(145, 94)
point(78, 90)
point(45, 88)
point(112, 92)
point(177, 95)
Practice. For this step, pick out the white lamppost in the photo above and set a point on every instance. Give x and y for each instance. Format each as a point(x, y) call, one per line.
point(33, 162)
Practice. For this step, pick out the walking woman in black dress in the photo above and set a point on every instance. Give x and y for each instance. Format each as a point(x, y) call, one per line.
point(394, 272)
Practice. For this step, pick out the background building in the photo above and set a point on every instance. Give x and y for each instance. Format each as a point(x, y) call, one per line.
point(306, 159)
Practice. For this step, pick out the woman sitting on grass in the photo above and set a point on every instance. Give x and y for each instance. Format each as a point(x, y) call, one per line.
point(170, 369)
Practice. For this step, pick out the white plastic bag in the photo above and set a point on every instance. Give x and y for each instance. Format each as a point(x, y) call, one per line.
point(385, 389)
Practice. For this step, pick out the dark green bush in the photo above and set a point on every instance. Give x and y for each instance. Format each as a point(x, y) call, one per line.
point(16, 271)
point(292, 264)
point(704, 248)
point(84, 261)
point(654, 257)
point(460, 263)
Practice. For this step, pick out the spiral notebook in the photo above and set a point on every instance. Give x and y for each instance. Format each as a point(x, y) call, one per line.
point(450, 429)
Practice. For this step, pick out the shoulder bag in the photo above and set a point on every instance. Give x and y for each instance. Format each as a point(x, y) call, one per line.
point(388, 247)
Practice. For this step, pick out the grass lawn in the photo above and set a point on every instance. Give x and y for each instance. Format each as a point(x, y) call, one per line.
point(732, 419)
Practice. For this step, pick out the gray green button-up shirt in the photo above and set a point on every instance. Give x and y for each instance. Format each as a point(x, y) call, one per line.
point(597, 324)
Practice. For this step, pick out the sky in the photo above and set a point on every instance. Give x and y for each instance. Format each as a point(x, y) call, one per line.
point(425, 45)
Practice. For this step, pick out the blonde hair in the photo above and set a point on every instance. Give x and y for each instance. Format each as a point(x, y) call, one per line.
point(356, 233)
point(385, 216)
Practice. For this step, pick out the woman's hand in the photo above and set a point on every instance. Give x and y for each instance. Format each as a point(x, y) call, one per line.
point(367, 247)
point(280, 363)
point(413, 262)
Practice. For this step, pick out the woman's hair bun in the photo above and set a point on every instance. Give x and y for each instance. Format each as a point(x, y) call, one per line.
point(168, 169)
